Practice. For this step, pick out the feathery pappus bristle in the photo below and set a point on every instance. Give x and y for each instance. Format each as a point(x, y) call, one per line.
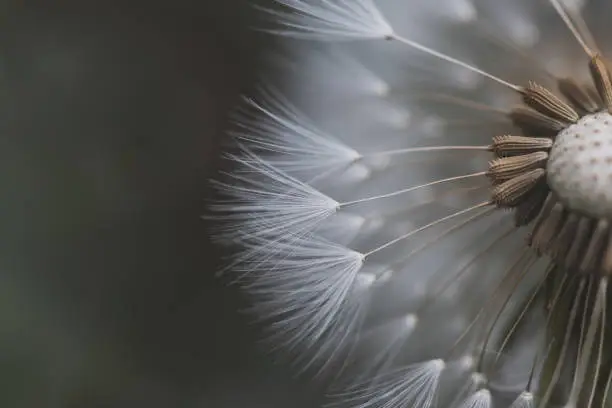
point(420, 203)
point(344, 19)
point(524, 400)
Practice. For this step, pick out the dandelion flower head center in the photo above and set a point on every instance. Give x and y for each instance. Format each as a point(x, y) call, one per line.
point(580, 165)
point(559, 184)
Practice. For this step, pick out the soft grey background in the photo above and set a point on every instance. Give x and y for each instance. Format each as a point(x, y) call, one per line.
point(111, 117)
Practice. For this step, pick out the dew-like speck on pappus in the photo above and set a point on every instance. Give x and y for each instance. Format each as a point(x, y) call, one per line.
point(424, 200)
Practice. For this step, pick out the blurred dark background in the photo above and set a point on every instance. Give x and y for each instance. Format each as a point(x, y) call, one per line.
point(112, 114)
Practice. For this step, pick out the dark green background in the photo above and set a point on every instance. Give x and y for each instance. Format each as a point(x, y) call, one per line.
point(111, 118)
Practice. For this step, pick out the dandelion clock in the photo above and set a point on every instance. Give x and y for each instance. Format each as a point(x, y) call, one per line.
point(422, 201)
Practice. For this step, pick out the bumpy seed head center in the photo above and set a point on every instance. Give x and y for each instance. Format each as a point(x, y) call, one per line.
point(557, 175)
point(579, 168)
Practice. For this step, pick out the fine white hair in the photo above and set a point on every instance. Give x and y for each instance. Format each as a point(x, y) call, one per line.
point(359, 197)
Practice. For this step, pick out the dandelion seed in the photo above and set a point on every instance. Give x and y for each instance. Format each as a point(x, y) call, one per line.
point(270, 202)
point(431, 209)
point(313, 287)
point(289, 142)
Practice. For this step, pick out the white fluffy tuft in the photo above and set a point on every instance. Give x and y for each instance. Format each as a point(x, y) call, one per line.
point(524, 400)
point(310, 289)
point(412, 386)
point(480, 399)
point(265, 201)
point(288, 140)
point(332, 19)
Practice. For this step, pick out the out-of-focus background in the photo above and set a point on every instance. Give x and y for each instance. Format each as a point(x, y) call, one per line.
point(111, 118)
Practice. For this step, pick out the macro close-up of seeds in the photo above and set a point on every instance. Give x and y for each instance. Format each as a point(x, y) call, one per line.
point(418, 200)
point(306, 204)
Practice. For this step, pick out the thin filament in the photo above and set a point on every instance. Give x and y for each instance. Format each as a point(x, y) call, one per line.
point(464, 269)
point(416, 231)
point(524, 311)
point(505, 276)
point(599, 353)
point(499, 313)
point(458, 101)
point(587, 348)
point(572, 27)
point(455, 61)
point(408, 190)
point(426, 149)
point(442, 235)
point(564, 346)
point(606, 390)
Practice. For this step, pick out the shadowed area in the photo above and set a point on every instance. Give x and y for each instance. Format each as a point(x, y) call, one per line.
point(112, 115)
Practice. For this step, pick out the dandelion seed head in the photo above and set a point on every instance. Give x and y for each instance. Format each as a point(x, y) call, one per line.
point(424, 200)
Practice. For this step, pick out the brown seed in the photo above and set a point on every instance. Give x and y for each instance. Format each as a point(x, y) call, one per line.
point(602, 80)
point(508, 145)
point(547, 103)
point(508, 167)
point(511, 192)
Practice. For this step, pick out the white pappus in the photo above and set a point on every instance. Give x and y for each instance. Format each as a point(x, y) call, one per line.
point(424, 199)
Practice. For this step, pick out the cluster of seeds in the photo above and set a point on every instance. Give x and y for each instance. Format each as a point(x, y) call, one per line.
point(343, 265)
point(555, 177)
